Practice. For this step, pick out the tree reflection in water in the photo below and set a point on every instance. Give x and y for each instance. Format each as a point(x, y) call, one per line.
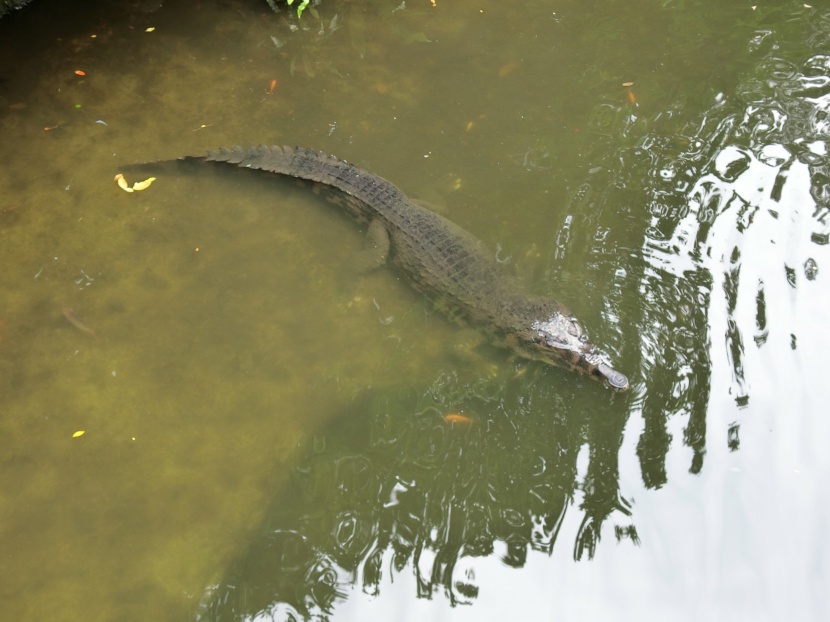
point(732, 233)
point(397, 486)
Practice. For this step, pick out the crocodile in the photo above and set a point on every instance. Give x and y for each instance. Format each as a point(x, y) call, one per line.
point(442, 260)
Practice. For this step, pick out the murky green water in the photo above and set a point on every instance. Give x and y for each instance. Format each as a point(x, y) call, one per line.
point(266, 431)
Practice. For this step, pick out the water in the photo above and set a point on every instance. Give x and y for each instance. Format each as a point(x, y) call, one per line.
point(269, 435)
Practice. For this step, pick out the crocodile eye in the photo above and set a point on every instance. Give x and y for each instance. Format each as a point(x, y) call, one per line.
point(554, 342)
point(545, 338)
point(575, 329)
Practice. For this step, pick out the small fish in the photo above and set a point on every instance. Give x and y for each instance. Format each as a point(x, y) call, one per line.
point(457, 418)
point(273, 86)
point(73, 319)
point(631, 98)
point(506, 70)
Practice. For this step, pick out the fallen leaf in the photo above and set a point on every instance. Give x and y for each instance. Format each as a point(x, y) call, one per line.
point(142, 185)
point(122, 183)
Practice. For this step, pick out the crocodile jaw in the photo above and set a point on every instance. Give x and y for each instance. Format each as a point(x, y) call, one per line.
point(612, 377)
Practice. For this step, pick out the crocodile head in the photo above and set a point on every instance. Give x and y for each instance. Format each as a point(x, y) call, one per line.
point(560, 340)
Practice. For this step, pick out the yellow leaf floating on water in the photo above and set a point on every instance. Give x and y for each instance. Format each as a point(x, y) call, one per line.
point(122, 183)
point(141, 185)
point(79, 433)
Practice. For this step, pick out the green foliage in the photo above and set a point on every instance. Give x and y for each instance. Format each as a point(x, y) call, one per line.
point(300, 7)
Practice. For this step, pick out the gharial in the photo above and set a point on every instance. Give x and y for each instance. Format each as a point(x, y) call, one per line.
point(440, 259)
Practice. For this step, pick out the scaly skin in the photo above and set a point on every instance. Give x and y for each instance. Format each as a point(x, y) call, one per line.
point(442, 260)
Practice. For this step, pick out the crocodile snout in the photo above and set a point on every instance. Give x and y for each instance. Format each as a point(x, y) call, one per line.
point(615, 379)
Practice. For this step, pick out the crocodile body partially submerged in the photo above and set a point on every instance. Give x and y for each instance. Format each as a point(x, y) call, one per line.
point(442, 260)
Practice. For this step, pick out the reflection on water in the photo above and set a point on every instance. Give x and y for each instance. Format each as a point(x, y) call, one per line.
point(733, 232)
point(400, 487)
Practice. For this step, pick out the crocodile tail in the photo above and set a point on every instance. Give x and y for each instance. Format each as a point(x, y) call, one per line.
point(313, 166)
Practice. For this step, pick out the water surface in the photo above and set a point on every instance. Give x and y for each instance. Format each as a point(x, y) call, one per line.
point(269, 434)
